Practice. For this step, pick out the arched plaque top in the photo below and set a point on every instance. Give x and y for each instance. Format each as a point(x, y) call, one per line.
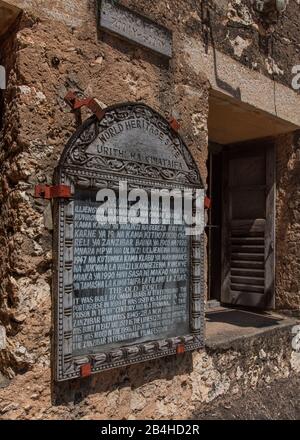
point(131, 140)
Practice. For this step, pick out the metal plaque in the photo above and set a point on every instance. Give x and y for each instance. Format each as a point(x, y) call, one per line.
point(134, 27)
point(124, 293)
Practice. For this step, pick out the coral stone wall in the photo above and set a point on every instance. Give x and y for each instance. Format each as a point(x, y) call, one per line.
point(265, 43)
point(288, 222)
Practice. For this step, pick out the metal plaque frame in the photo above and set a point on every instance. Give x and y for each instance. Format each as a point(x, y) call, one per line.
point(80, 169)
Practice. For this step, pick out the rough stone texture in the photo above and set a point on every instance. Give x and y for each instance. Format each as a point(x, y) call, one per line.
point(175, 387)
point(56, 48)
point(277, 401)
point(269, 44)
point(288, 222)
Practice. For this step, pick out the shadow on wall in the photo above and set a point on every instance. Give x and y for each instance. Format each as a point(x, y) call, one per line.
point(133, 377)
point(8, 44)
point(223, 85)
point(133, 51)
point(8, 54)
point(287, 220)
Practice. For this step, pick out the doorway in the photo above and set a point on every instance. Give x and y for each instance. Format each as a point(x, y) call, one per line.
point(241, 226)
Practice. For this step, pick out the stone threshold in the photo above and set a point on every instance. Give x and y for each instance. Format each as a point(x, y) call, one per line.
point(231, 327)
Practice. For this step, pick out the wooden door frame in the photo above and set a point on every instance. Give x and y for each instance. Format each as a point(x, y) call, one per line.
point(270, 246)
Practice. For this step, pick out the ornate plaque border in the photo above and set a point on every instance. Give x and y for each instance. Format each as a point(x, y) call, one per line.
point(82, 170)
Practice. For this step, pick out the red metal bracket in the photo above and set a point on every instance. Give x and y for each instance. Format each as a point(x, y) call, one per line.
point(52, 192)
point(180, 349)
point(174, 124)
point(207, 203)
point(85, 370)
point(75, 102)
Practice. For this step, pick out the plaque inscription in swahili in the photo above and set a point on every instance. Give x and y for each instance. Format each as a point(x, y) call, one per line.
point(134, 27)
point(125, 292)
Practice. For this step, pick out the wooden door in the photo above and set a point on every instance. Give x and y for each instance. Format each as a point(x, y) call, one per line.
point(248, 229)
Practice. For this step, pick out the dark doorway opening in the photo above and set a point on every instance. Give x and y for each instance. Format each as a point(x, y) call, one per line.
point(240, 230)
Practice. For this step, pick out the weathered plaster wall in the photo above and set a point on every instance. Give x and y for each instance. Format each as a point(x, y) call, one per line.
point(288, 222)
point(270, 46)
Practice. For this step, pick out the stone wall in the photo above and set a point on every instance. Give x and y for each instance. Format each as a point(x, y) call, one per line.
point(267, 44)
point(170, 388)
point(288, 222)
